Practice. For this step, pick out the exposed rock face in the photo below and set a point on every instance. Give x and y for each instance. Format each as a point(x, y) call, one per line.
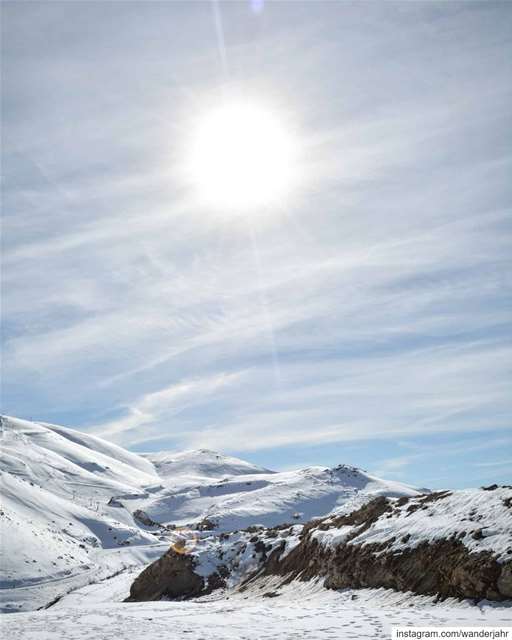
point(504, 581)
point(115, 503)
point(445, 568)
point(144, 519)
point(206, 525)
point(172, 576)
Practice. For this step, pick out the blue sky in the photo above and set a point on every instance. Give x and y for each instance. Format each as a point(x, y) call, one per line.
point(365, 320)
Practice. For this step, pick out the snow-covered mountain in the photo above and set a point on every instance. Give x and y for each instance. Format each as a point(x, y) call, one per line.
point(70, 463)
point(76, 508)
point(233, 501)
point(201, 463)
point(57, 529)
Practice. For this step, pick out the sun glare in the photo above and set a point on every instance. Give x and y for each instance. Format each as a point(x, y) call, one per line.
point(242, 157)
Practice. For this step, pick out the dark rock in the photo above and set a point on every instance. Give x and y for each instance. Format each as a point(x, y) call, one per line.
point(504, 582)
point(172, 576)
point(143, 518)
point(254, 528)
point(206, 525)
point(260, 547)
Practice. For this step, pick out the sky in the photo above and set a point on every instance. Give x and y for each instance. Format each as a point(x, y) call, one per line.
point(362, 319)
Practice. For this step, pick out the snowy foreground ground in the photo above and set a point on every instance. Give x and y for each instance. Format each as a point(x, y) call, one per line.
point(301, 610)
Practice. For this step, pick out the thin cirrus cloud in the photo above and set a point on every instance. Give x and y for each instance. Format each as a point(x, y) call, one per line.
point(369, 308)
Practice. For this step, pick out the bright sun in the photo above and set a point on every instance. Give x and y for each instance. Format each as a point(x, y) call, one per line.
point(242, 157)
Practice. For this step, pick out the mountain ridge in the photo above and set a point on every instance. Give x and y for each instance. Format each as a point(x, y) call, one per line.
point(75, 505)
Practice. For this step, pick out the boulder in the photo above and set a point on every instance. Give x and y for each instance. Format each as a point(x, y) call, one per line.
point(171, 576)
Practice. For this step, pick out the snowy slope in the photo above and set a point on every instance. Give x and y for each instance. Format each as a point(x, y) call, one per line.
point(69, 463)
point(268, 498)
point(44, 536)
point(201, 463)
point(99, 445)
point(55, 521)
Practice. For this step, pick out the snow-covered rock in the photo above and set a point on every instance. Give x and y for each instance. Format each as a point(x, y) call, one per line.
point(451, 544)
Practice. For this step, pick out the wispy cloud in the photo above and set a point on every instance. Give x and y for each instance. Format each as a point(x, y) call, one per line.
point(155, 408)
point(495, 463)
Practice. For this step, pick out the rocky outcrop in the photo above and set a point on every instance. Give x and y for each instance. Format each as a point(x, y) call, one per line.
point(175, 576)
point(206, 525)
point(142, 517)
point(172, 576)
point(444, 568)
point(449, 544)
